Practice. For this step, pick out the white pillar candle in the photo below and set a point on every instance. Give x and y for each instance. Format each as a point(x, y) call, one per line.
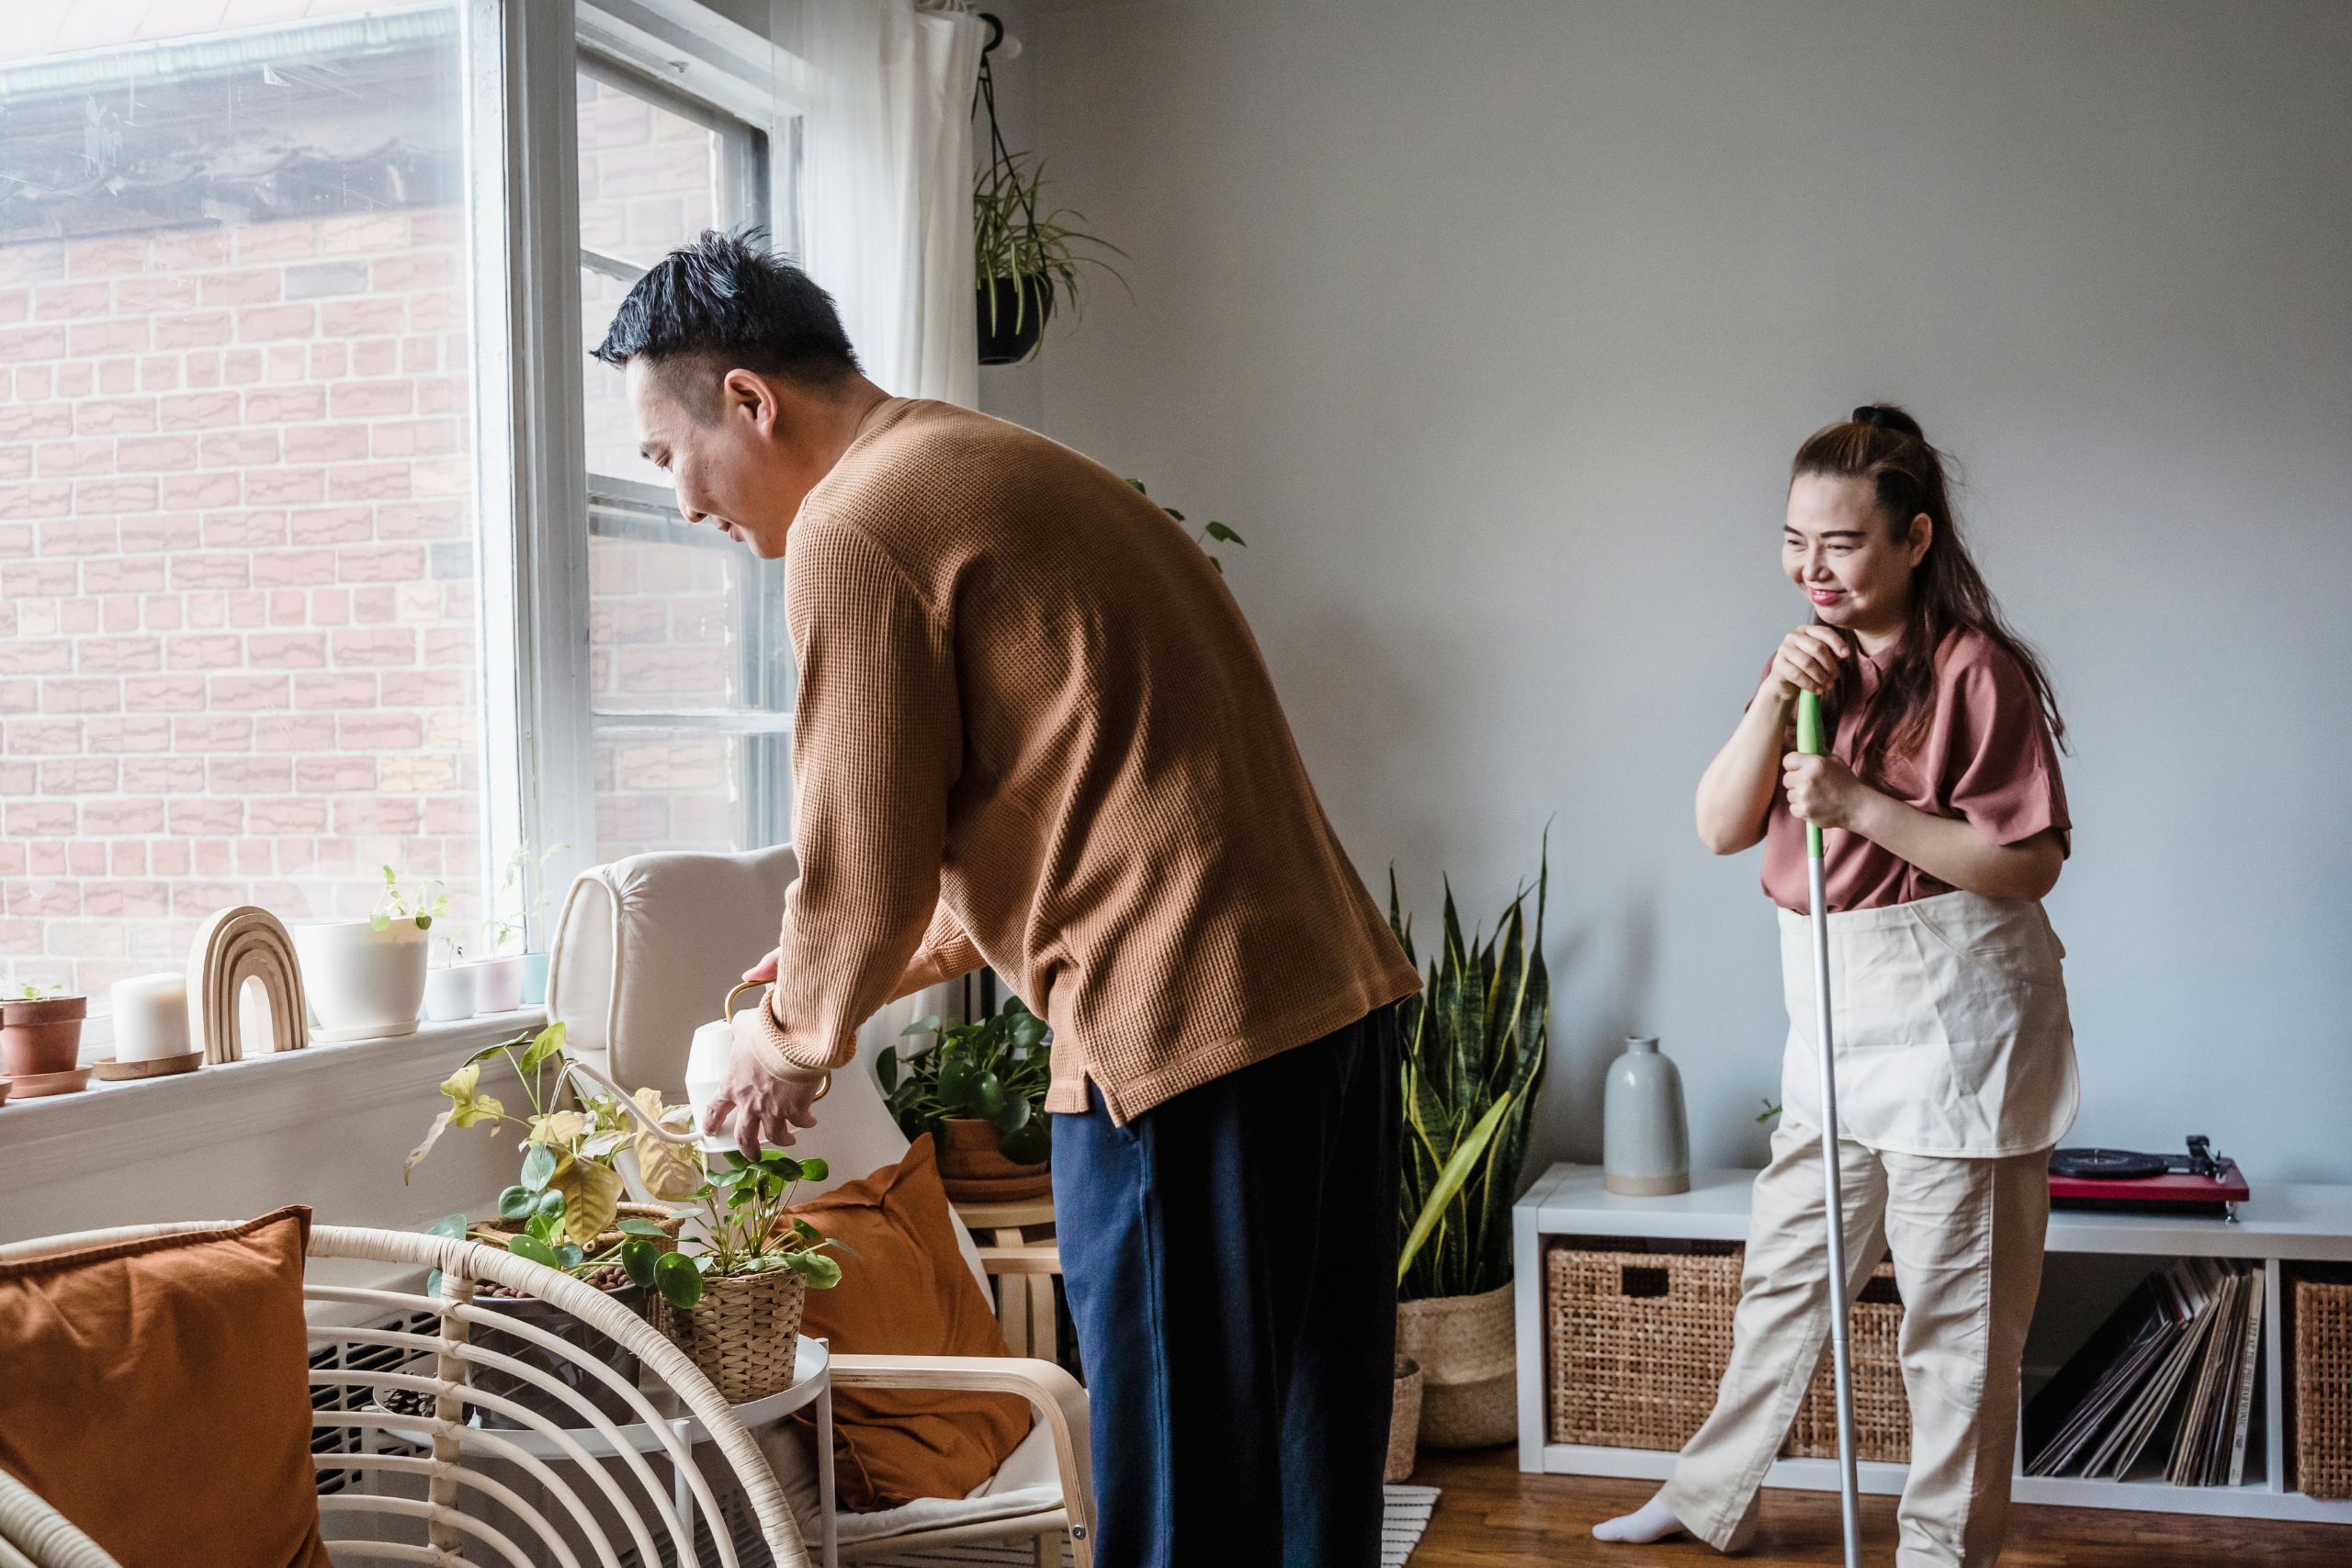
point(150, 1017)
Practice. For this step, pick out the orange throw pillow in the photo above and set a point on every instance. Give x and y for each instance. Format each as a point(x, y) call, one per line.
point(906, 1290)
point(156, 1393)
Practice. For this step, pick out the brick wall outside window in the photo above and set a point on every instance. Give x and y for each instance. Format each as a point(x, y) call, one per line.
point(237, 582)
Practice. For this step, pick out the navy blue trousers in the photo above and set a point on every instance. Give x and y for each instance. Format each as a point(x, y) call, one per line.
point(1231, 1257)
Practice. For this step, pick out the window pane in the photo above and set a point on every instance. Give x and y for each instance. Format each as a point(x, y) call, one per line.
point(668, 789)
point(238, 598)
point(651, 180)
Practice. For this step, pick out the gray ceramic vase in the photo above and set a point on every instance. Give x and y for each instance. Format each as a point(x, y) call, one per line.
point(1644, 1137)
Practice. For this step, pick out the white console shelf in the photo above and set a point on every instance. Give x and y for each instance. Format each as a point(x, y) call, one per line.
point(2281, 1224)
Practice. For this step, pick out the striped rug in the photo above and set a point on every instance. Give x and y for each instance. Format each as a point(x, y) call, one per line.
point(1400, 1530)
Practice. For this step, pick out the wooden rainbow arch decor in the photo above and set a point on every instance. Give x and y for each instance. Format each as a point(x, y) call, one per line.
point(236, 945)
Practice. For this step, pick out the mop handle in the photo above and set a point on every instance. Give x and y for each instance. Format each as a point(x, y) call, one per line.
point(1841, 1362)
point(1809, 743)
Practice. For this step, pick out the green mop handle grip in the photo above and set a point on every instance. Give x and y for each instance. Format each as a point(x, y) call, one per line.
point(1809, 743)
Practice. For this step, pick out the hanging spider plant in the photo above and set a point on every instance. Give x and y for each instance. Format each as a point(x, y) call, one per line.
point(1025, 257)
point(1474, 1046)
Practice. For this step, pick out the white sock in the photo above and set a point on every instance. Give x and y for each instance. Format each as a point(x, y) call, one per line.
point(1652, 1521)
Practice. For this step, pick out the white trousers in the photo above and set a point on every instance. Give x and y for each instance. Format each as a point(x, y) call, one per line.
point(1966, 1237)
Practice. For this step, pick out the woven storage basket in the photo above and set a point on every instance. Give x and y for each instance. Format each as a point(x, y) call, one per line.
point(1638, 1343)
point(745, 1333)
point(2324, 1388)
point(1639, 1340)
point(1468, 1348)
point(1403, 1422)
point(1881, 1411)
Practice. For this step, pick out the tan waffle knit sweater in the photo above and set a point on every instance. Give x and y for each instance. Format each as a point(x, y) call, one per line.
point(1034, 730)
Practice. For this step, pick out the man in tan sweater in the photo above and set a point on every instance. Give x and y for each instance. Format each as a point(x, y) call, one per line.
point(1033, 731)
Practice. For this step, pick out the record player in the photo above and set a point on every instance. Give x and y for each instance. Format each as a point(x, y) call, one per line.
point(2198, 1182)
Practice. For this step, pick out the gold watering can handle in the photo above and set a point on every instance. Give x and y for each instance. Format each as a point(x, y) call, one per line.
point(825, 1084)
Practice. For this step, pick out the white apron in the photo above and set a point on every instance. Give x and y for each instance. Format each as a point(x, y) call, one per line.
point(1950, 1018)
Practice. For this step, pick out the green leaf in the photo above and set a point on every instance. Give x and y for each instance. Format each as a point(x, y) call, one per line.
point(568, 1256)
point(549, 1205)
point(1013, 1117)
point(517, 1203)
point(641, 1227)
point(1031, 1143)
point(424, 922)
point(821, 1272)
point(548, 1042)
point(1224, 536)
point(886, 1068)
point(1029, 1031)
point(538, 1166)
point(531, 1247)
point(814, 1169)
point(454, 1226)
point(956, 1076)
point(679, 1282)
point(638, 1255)
point(987, 1095)
point(1449, 1182)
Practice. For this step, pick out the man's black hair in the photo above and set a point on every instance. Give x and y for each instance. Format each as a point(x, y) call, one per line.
point(725, 297)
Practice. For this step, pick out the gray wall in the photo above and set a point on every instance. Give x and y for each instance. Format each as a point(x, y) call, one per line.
point(1493, 327)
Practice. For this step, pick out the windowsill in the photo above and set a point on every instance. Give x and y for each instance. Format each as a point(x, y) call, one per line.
point(204, 1107)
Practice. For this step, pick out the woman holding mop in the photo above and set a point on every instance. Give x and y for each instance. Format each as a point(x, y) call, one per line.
point(1944, 824)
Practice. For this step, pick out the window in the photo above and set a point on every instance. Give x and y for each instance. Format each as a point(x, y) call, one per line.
point(239, 581)
point(690, 678)
point(295, 542)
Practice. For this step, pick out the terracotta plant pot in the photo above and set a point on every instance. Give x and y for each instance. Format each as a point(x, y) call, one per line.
point(1468, 1350)
point(974, 1170)
point(44, 1036)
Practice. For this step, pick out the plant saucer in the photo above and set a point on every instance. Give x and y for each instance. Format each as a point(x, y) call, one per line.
point(32, 1086)
point(111, 1071)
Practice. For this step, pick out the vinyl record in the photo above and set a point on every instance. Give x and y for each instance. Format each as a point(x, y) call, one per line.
point(2105, 1165)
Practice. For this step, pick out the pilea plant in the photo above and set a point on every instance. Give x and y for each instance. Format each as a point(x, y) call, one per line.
point(996, 1070)
point(746, 1230)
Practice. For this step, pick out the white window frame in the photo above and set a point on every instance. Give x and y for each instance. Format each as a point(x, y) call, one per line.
point(522, 57)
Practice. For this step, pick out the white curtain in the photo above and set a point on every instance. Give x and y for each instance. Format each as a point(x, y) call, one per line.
point(888, 182)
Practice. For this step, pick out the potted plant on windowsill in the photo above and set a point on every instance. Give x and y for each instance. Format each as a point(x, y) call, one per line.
point(1474, 1043)
point(979, 1088)
point(41, 1031)
point(365, 978)
point(731, 1298)
point(565, 1208)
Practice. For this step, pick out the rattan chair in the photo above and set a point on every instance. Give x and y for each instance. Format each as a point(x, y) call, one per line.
point(425, 1486)
point(645, 950)
point(34, 1535)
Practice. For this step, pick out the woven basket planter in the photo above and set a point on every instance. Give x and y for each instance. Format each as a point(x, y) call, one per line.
point(2324, 1388)
point(1468, 1348)
point(1638, 1342)
point(1404, 1421)
point(744, 1335)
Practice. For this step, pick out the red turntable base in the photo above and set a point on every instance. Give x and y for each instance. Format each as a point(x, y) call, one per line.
point(2116, 1180)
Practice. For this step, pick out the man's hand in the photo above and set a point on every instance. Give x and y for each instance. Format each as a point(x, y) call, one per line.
point(771, 1105)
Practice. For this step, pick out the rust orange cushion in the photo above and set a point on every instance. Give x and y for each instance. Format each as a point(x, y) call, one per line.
point(156, 1393)
point(906, 1290)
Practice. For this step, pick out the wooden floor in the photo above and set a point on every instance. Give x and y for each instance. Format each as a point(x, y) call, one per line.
point(1490, 1516)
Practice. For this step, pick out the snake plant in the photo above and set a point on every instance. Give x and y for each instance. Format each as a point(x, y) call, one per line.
point(1473, 1046)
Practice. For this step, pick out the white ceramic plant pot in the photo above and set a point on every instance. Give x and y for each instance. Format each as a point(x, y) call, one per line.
point(449, 994)
point(361, 982)
point(498, 982)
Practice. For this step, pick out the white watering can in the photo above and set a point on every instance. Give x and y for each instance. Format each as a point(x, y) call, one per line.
point(707, 1061)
